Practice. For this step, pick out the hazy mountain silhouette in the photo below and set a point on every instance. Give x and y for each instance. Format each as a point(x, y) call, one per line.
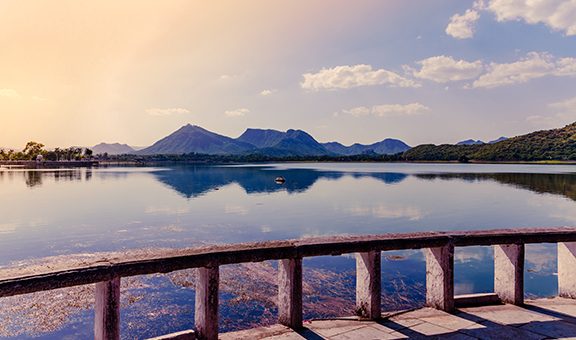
point(192, 138)
point(388, 146)
point(112, 149)
point(470, 142)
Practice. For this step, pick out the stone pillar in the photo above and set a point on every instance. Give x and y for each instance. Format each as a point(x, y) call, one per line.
point(290, 293)
point(440, 277)
point(107, 310)
point(368, 285)
point(509, 273)
point(567, 269)
point(206, 307)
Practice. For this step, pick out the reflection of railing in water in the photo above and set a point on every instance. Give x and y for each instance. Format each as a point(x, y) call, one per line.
point(439, 248)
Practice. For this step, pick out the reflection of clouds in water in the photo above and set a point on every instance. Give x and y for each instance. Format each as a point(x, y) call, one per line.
point(265, 229)
point(466, 255)
point(12, 227)
point(463, 288)
point(154, 210)
point(7, 228)
point(541, 257)
point(172, 228)
point(562, 209)
point(382, 211)
point(236, 209)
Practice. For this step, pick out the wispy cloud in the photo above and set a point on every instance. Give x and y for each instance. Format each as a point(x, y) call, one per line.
point(268, 92)
point(9, 93)
point(345, 77)
point(237, 113)
point(386, 110)
point(565, 112)
point(442, 69)
point(534, 65)
point(166, 111)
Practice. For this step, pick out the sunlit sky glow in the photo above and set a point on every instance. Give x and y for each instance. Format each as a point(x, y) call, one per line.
point(132, 71)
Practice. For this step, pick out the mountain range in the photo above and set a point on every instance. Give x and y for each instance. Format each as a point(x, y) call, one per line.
point(479, 142)
point(266, 142)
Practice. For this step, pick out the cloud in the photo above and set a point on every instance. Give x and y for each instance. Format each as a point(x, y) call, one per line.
point(267, 92)
point(534, 65)
point(442, 69)
point(559, 15)
point(345, 77)
point(387, 110)
point(565, 114)
point(462, 26)
point(9, 93)
point(166, 112)
point(237, 113)
point(556, 14)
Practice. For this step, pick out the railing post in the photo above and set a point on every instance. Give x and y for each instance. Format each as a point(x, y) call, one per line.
point(567, 269)
point(107, 310)
point(290, 293)
point(368, 285)
point(509, 273)
point(440, 277)
point(206, 307)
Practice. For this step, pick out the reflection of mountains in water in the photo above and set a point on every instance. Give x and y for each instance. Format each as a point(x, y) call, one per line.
point(557, 184)
point(192, 181)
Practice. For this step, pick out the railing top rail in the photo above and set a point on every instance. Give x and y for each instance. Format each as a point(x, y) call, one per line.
point(17, 281)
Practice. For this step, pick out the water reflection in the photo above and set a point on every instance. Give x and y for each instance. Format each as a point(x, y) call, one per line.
point(193, 181)
point(35, 178)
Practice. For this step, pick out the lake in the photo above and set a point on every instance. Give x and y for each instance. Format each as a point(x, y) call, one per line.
point(74, 213)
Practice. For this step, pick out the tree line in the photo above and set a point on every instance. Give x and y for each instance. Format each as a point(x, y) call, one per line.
point(33, 150)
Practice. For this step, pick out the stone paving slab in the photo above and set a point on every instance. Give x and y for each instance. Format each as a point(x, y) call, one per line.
point(538, 319)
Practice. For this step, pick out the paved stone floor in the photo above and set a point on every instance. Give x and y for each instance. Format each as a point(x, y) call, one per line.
point(538, 319)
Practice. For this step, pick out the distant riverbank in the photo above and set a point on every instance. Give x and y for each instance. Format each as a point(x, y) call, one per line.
point(48, 164)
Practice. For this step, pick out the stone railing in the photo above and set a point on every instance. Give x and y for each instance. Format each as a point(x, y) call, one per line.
point(438, 246)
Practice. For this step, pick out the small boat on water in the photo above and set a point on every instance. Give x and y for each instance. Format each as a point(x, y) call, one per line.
point(280, 180)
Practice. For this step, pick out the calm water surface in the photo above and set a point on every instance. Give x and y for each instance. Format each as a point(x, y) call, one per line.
point(49, 213)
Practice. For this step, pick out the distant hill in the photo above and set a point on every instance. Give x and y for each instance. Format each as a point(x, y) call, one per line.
point(194, 139)
point(112, 149)
point(555, 144)
point(475, 142)
point(498, 140)
point(284, 144)
point(388, 146)
point(470, 142)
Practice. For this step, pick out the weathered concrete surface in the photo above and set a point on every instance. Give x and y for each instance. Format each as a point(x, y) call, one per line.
point(537, 319)
point(509, 273)
point(290, 293)
point(368, 284)
point(567, 269)
point(16, 281)
point(440, 277)
point(206, 307)
point(107, 310)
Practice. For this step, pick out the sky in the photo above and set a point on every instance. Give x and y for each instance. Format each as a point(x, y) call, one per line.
point(132, 71)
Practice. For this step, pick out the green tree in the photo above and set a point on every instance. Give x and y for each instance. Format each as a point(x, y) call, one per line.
point(33, 149)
